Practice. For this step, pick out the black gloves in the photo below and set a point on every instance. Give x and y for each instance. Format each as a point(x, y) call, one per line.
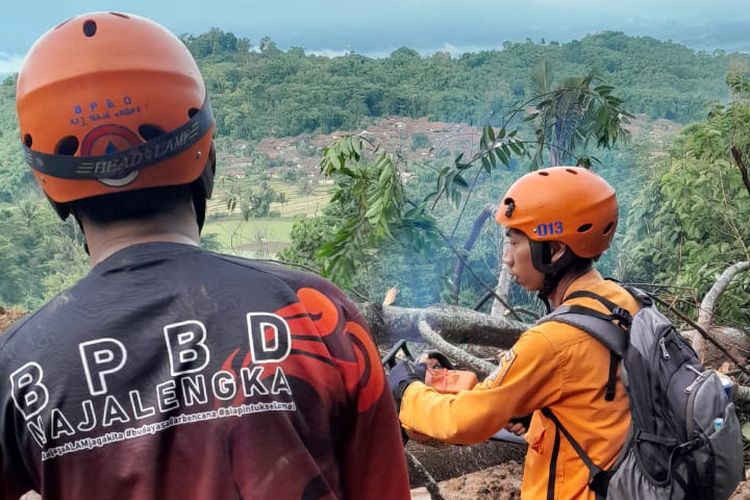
point(403, 374)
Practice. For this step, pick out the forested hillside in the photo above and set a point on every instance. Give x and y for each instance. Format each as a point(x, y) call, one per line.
point(259, 91)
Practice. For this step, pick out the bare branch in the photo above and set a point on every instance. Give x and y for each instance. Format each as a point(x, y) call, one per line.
point(456, 324)
point(708, 304)
point(463, 357)
point(430, 483)
point(737, 155)
point(458, 265)
point(706, 311)
point(499, 308)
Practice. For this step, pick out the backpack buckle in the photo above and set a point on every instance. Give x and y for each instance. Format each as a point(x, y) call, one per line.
point(621, 316)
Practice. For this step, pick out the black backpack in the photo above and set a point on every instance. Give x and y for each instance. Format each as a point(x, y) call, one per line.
point(684, 439)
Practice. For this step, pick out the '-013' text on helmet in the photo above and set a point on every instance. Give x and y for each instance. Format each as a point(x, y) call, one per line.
point(568, 204)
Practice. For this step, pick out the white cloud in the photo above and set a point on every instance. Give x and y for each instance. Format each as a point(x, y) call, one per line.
point(327, 52)
point(453, 50)
point(10, 63)
point(457, 50)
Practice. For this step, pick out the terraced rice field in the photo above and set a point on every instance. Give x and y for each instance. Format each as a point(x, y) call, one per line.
point(262, 238)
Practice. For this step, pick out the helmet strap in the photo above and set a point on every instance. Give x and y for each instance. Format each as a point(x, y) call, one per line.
point(541, 259)
point(203, 187)
point(83, 232)
point(199, 202)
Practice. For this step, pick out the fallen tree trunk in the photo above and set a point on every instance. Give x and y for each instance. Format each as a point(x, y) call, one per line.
point(455, 324)
point(706, 312)
point(448, 461)
point(464, 358)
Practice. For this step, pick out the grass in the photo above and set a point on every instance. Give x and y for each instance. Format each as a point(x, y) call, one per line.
point(255, 237)
point(263, 237)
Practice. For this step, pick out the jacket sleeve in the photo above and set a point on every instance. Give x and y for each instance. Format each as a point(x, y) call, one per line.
point(528, 378)
point(374, 465)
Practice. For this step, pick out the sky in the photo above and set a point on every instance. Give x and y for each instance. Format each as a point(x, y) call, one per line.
point(378, 27)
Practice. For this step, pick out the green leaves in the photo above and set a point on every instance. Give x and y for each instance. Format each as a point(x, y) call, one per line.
point(495, 146)
point(337, 154)
point(565, 119)
point(371, 207)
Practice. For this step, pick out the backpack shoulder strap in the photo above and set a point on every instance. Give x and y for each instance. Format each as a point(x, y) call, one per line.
point(598, 325)
point(609, 329)
point(642, 296)
point(598, 477)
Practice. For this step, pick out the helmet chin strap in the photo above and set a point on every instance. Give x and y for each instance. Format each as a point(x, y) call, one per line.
point(549, 284)
point(202, 188)
point(541, 259)
point(83, 232)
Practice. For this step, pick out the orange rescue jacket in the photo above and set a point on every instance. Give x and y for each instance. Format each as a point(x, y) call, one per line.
point(552, 365)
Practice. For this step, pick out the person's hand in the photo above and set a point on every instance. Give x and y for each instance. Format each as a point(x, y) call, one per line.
point(435, 359)
point(403, 374)
point(516, 428)
point(519, 425)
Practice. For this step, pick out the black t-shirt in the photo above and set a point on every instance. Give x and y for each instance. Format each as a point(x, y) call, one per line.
point(171, 372)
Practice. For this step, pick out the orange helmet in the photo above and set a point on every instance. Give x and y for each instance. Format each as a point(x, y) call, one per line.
point(567, 204)
point(111, 102)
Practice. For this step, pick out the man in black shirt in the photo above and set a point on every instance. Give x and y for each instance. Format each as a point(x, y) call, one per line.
point(168, 371)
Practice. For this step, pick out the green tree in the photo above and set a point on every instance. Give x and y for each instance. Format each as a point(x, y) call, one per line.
point(39, 255)
point(692, 219)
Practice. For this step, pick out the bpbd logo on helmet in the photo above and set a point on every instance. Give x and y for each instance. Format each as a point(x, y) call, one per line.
point(109, 140)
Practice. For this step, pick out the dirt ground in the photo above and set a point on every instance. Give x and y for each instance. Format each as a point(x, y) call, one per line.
point(8, 317)
point(503, 482)
point(743, 490)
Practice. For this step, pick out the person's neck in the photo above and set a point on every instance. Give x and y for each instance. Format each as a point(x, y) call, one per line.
point(106, 239)
point(557, 295)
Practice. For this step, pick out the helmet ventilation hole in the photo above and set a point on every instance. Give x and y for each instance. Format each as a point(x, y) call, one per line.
point(545, 174)
point(609, 227)
point(27, 140)
point(118, 14)
point(510, 206)
point(192, 112)
point(584, 228)
point(571, 171)
point(89, 28)
point(148, 131)
point(67, 146)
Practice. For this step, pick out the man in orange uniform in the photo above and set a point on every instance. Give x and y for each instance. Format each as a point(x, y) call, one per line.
point(558, 220)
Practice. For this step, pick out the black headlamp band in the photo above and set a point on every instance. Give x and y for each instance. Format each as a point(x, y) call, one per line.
point(122, 163)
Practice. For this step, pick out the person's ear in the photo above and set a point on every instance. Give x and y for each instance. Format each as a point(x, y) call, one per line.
point(557, 250)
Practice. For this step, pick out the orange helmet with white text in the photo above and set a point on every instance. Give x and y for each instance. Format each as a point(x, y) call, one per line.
point(110, 102)
point(568, 204)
